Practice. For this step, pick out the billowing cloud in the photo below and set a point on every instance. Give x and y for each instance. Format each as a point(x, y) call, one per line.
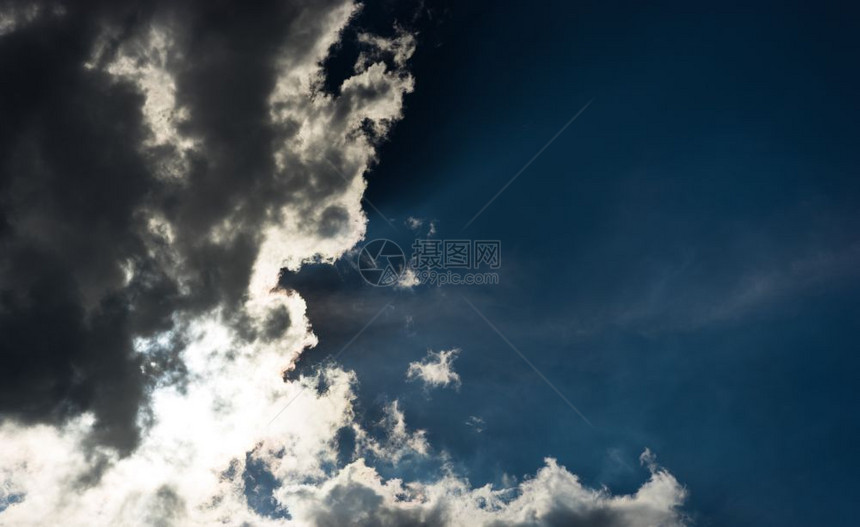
point(436, 370)
point(553, 497)
point(159, 166)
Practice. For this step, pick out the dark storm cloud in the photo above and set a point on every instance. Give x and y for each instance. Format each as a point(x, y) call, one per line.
point(82, 272)
point(70, 179)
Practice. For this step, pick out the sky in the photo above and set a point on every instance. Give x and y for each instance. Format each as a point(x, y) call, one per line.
point(193, 325)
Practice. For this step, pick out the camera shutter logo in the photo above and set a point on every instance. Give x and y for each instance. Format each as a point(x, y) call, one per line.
point(381, 262)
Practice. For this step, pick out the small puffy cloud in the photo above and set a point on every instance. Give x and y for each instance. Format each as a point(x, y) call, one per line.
point(436, 369)
point(407, 280)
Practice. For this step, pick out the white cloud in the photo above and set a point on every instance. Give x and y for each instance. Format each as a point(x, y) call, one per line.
point(407, 280)
point(358, 496)
point(325, 141)
point(436, 369)
point(399, 441)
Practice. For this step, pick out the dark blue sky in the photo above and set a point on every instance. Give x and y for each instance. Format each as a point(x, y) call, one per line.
point(682, 262)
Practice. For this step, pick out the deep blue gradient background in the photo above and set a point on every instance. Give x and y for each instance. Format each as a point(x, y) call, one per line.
point(682, 262)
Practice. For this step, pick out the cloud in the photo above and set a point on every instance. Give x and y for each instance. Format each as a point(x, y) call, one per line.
point(14, 17)
point(436, 369)
point(407, 280)
point(476, 423)
point(159, 166)
point(415, 224)
point(743, 284)
point(357, 495)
